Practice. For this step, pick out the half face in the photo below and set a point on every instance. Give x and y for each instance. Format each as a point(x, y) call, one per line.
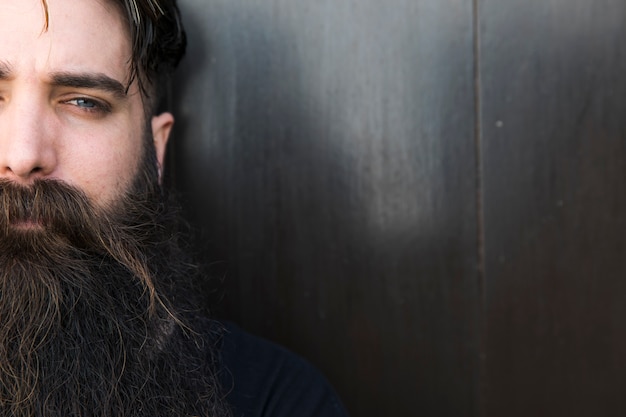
point(65, 113)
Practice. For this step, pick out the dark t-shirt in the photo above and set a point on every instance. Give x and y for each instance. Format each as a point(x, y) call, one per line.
point(262, 379)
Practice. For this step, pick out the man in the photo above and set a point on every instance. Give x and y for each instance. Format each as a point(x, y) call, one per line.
point(95, 310)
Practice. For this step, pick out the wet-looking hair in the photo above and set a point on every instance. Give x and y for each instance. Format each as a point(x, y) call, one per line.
point(158, 43)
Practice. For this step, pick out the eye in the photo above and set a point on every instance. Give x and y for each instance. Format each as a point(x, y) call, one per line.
point(84, 102)
point(89, 104)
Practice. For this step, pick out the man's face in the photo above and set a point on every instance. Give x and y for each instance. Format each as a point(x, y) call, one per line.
point(89, 326)
point(65, 113)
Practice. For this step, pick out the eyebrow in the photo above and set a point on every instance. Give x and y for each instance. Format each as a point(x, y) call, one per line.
point(87, 80)
point(97, 81)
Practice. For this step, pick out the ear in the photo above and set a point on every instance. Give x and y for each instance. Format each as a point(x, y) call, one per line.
point(161, 128)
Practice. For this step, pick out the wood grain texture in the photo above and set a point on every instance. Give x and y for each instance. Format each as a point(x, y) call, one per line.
point(553, 101)
point(326, 151)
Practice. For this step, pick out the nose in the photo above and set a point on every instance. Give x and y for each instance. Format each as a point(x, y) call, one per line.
point(27, 150)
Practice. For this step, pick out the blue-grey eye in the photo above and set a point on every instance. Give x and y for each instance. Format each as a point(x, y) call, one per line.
point(85, 102)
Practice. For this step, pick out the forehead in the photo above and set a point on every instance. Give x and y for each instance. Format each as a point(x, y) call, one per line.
point(82, 35)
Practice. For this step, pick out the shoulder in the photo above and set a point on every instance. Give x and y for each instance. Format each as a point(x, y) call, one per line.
point(262, 379)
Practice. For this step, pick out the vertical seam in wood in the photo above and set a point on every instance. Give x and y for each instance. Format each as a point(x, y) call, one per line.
point(480, 232)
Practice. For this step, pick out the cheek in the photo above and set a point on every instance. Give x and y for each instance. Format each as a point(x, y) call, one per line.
point(104, 170)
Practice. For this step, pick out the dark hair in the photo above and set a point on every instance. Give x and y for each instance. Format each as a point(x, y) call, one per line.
point(158, 44)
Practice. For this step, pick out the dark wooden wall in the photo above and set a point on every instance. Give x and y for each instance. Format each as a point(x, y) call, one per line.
point(425, 198)
point(553, 152)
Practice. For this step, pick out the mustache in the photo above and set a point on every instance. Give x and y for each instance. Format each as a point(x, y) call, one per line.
point(50, 210)
point(56, 206)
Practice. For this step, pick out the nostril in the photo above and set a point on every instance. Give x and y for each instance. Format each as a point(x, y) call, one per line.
point(23, 173)
point(24, 160)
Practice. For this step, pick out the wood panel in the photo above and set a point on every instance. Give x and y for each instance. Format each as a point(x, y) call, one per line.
point(326, 150)
point(553, 96)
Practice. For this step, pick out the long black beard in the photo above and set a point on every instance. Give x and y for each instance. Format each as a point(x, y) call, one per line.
point(92, 312)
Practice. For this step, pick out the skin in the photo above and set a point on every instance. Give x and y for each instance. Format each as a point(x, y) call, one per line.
point(64, 111)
